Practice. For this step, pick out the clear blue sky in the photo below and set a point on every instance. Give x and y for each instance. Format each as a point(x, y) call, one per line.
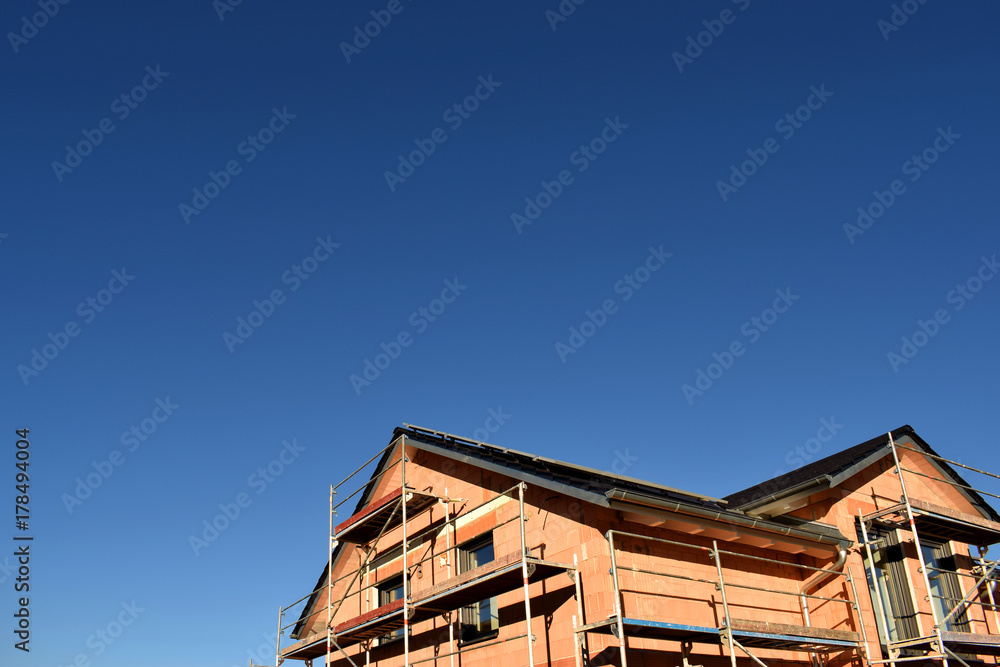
point(626, 153)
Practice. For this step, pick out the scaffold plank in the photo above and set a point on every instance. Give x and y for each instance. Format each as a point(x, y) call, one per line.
point(366, 524)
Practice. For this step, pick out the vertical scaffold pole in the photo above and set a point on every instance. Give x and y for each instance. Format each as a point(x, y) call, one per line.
point(406, 570)
point(329, 583)
point(448, 557)
point(878, 594)
point(725, 603)
point(524, 574)
point(580, 636)
point(277, 648)
point(920, 552)
point(618, 598)
point(856, 607)
point(368, 603)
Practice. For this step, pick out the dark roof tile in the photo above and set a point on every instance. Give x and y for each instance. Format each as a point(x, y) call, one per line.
point(829, 466)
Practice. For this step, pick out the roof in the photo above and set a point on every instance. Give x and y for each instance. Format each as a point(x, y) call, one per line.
point(582, 482)
point(837, 468)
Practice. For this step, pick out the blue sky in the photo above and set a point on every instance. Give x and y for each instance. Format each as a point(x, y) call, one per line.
point(201, 243)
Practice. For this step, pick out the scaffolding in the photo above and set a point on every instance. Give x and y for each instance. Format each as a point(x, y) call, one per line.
point(730, 633)
point(397, 515)
point(365, 529)
point(923, 518)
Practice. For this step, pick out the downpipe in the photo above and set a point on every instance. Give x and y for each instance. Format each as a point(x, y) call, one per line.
point(811, 583)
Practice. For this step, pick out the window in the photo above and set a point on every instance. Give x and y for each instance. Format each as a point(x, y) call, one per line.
point(946, 591)
point(480, 620)
point(389, 591)
point(887, 580)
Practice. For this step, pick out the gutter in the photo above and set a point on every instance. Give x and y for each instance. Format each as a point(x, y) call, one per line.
point(823, 480)
point(728, 517)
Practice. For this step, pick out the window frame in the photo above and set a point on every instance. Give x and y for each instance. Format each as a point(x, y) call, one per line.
point(944, 554)
point(386, 588)
point(470, 617)
point(889, 580)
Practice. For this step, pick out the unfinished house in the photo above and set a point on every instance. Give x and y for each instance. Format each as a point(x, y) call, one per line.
point(455, 553)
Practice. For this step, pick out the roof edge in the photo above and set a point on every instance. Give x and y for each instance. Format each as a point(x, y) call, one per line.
point(831, 536)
